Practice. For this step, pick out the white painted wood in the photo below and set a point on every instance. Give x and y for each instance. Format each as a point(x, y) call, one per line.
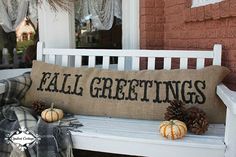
point(135, 63)
point(2, 88)
point(121, 63)
point(40, 47)
point(65, 59)
point(183, 63)
point(167, 63)
point(9, 73)
point(141, 137)
point(200, 63)
point(198, 3)
point(131, 53)
point(46, 58)
point(151, 63)
point(228, 97)
point(91, 62)
point(59, 25)
point(52, 59)
point(130, 28)
point(130, 24)
point(217, 54)
point(230, 138)
point(105, 62)
point(78, 61)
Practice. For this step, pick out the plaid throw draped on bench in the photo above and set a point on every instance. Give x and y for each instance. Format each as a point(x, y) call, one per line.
point(55, 141)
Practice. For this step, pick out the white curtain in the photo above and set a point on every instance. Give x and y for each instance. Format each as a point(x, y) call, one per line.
point(100, 12)
point(13, 12)
point(33, 12)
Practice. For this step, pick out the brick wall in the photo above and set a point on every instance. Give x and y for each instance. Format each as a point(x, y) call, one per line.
point(199, 28)
point(151, 25)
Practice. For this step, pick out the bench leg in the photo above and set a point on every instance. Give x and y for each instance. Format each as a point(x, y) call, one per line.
point(230, 134)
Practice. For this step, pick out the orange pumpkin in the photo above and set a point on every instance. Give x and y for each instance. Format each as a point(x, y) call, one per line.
point(52, 114)
point(173, 129)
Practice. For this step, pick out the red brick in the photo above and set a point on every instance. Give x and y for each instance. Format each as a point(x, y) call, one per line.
point(151, 11)
point(159, 28)
point(188, 3)
point(231, 44)
point(187, 14)
point(172, 18)
point(159, 4)
point(196, 26)
point(143, 43)
point(232, 8)
point(193, 14)
point(177, 26)
point(215, 11)
point(174, 10)
point(172, 35)
point(224, 9)
point(200, 13)
point(147, 19)
point(211, 33)
point(212, 24)
point(160, 19)
point(148, 3)
point(222, 33)
point(230, 81)
point(232, 22)
point(197, 34)
point(231, 32)
point(169, 3)
point(159, 35)
point(208, 12)
point(148, 27)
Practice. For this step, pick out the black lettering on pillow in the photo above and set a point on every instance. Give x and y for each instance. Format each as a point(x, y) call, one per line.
point(46, 75)
point(201, 98)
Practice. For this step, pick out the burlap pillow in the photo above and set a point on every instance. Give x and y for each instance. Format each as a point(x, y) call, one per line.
point(133, 94)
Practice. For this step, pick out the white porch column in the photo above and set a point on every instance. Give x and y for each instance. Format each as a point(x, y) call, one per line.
point(130, 24)
point(56, 29)
point(130, 27)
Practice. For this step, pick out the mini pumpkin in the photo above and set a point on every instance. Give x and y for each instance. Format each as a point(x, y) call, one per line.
point(173, 129)
point(52, 114)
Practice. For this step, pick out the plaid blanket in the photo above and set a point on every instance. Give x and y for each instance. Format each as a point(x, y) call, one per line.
point(55, 140)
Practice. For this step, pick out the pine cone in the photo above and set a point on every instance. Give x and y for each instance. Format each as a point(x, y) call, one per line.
point(196, 120)
point(176, 110)
point(39, 106)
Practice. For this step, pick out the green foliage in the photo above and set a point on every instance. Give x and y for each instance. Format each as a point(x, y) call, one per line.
point(22, 45)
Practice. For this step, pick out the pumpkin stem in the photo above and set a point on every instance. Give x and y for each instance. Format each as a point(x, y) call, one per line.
point(52, 105)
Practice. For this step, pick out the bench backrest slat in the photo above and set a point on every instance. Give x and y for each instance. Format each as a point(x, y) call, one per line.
point(65, 59)
point(73, 57)
point(151, 63)
point(200, 63)
point(167, 63)
point(183, 63)
point(135, 63)
point(106, 62)
point(78, 62)
point(91, 61)
point(121, 63)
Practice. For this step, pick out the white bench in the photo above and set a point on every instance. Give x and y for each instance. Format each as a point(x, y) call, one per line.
point(141, 137)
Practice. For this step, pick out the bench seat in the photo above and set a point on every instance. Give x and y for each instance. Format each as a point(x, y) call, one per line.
point(141, 137)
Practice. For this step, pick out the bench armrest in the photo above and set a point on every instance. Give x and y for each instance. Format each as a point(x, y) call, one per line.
point(2, 88)
point(228, 97)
